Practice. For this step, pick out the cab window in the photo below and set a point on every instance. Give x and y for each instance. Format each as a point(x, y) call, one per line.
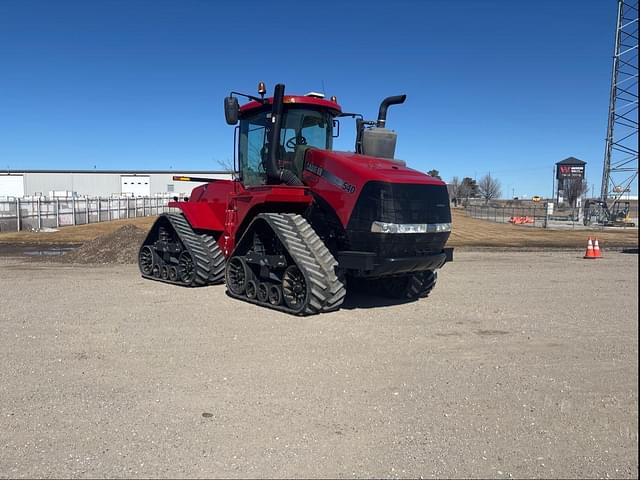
point(306, 127)
point(252, 149)
point(301, 127)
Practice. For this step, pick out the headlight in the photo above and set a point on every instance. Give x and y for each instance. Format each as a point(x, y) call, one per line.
point(384, 227)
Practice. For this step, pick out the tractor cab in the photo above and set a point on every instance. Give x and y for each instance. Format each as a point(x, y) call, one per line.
point(305, 122)
point(276, 132)
point(303, 126)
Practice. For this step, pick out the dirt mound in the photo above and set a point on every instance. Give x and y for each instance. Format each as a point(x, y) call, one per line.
point(120, 246)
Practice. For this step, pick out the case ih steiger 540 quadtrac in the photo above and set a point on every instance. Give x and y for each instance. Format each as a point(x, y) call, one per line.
point(301, 221)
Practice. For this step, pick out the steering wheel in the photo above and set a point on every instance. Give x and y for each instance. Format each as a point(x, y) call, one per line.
point(293, 142)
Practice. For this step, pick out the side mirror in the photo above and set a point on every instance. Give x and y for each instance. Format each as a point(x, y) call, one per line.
point(336, 129)
point(231, 110)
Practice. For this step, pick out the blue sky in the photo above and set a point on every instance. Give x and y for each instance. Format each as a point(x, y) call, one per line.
point(507, 87)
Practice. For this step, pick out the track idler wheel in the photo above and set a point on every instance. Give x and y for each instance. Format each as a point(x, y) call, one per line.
point(145, 260)
point(294, 288)
point(237, 275)
point(186, 268)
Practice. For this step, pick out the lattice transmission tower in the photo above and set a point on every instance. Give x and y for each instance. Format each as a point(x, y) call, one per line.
point(620, 172)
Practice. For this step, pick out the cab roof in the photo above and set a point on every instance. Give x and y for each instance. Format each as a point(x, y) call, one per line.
point(316, 102)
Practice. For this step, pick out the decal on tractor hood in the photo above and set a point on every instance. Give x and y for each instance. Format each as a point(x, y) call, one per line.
point(330, 177)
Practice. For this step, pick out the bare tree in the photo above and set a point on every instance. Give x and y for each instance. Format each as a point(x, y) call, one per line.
point(454, 190)
point(489, 188)
point(469, 189)
point(226, 165)
point(460, 191)
point(434, 173)
point(574, 188)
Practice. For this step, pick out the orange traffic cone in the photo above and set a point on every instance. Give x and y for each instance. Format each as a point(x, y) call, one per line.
point(589, 253)
point(596, 249)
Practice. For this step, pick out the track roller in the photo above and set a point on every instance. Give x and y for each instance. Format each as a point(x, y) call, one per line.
point(275, 295)
point(251, 290)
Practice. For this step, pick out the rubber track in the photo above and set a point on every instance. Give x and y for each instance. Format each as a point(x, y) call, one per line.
point(410, 286)
point(325, 290)
point(421, 284)
point(206, 264)
point(216, 274)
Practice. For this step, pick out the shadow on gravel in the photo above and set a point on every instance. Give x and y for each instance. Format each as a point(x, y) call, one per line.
point(630, 250)
point(355, 300)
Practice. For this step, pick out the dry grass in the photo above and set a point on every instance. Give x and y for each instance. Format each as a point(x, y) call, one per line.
point(471, 232)
point(467, 232)
point(77, 234)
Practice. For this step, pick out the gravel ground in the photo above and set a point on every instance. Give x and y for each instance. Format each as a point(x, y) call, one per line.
point(519, 364)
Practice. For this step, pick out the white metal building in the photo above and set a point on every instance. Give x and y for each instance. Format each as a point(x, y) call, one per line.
point(98, 183)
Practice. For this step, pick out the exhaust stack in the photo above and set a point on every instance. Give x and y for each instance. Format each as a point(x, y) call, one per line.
point(379, 141)
point(385, 104)
point(274, 173)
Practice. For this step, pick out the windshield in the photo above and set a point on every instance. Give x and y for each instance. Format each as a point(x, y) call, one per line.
point(301, 127)
point(306, 127)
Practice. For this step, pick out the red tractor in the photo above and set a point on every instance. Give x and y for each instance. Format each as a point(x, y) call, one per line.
point(302, 221)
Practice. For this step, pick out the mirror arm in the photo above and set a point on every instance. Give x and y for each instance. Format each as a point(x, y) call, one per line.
point(352, 115)
point(250, 97)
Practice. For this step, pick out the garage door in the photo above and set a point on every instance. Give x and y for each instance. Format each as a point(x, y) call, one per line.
point(11, 186)
point(136, 186)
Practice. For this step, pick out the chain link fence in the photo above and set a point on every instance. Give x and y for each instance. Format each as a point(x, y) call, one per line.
point(39, 213)
point(534, 215)
point(528, 215)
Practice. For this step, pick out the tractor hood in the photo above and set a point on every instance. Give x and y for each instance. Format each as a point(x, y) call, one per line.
point(339, 178)
point(362, 168)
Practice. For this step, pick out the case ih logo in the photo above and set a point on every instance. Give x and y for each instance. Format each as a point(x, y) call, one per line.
point(330, 177)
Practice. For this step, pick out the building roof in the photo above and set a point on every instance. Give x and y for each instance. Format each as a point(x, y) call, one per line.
point(121, 172)
point(571, 161)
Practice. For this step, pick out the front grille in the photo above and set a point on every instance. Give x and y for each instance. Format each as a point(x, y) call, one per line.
point(399, 203)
